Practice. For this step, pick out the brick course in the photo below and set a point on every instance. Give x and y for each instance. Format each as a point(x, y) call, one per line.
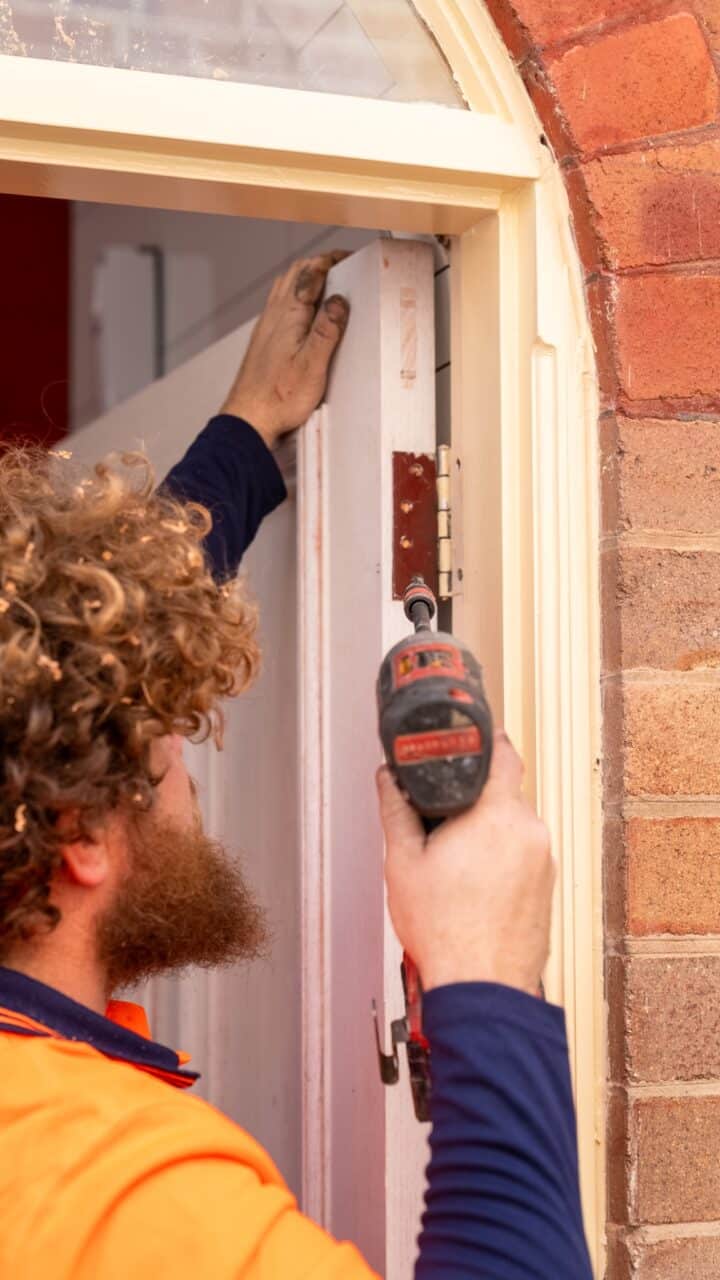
point(675, 1142)
point(667, 327)
point(672, 1018)
point(554, 21)
point(667, 876)
point(671, 739)
point(660, 477)
point(658, 206)
point(684, 1259)
point(667, 608)
point(641, 81)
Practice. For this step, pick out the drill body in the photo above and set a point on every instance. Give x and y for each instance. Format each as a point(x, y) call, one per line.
point(436, 729)
point(435, 723)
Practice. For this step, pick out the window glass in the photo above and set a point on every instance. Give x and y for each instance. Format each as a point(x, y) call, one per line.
point(370, 48)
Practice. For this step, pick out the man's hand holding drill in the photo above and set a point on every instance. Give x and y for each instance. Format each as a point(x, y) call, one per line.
point(471, 902)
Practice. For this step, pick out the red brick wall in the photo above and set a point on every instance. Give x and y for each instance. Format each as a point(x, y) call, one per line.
point(628, 94)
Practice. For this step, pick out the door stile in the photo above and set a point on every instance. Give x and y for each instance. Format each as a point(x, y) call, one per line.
point(364, 1153)
point(314, 758)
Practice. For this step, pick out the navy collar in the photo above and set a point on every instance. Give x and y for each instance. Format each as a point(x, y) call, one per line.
point(59, 1015)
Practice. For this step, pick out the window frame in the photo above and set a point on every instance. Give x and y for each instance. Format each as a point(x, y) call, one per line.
point(524, 400)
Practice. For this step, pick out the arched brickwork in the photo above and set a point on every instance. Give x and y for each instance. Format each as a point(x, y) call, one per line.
point(628, 94)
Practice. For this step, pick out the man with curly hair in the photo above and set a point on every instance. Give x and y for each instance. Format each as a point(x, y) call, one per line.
point(122, 626)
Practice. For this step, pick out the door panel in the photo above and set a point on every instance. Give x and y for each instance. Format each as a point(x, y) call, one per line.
point(287, 1046)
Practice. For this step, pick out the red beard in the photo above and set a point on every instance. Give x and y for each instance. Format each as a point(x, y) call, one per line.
point(183, 902)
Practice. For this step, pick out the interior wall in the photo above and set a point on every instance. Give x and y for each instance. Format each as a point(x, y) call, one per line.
point(215, 274)
point(204, 276)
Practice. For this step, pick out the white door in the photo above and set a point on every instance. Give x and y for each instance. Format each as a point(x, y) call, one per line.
point(287, 1047)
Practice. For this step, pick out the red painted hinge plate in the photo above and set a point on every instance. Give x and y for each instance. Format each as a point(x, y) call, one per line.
point(414, 521)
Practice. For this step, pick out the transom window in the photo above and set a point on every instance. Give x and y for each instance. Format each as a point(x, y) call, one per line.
point(368, 48)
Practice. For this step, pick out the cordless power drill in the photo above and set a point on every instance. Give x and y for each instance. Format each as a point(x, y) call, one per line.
point(436, 730)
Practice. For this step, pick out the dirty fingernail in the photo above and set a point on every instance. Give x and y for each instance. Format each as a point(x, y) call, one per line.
point(337, 309)
point(308, 284)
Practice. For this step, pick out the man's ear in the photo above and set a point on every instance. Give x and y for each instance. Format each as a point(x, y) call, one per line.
point(86, 861)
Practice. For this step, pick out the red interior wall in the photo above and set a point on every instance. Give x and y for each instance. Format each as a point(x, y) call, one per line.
point(35, 293)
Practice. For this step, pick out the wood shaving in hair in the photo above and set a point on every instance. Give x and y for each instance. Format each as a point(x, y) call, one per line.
point(29, 551)
point(21, 818)
point(147, 537)
point(126, 701)
point(106, 555)
point(135, 641)
point(107, 660)
point(75, 708)
point(95, 604)
point(4, 605)
point(51, 665)
point(175, 526)
point(123, 528)
point(60, 453)
point(137, 798)
point(10, 588)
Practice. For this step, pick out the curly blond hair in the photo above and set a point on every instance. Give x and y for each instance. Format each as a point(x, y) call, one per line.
point(112, 633)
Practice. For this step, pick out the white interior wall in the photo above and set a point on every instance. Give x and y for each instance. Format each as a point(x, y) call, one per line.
point(217, 272)
point(216, 275)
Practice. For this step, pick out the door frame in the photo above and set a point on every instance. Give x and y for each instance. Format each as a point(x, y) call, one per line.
point(524, 404)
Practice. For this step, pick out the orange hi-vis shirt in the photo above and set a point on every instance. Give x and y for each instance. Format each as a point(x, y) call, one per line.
point(110, 1171)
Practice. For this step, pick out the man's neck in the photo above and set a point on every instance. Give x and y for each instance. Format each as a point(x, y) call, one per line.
point(78, 977)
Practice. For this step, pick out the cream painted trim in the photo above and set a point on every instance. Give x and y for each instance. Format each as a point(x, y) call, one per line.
point(484, 73)
point(249, 149)
point(524, 403)
point(259, 119)
point(526, 507)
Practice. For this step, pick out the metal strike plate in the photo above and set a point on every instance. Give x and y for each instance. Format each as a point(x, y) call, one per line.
point(415, 526)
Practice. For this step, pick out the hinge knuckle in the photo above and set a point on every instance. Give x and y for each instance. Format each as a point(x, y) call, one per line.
point(444, 523)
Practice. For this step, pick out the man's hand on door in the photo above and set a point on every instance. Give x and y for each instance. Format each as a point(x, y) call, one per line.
point(284, 374)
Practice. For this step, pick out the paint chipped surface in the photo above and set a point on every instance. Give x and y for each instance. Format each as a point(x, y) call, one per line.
point(408, 336)
point(331, 46)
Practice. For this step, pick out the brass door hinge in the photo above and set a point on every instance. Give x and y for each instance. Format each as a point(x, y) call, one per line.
point(444, 523)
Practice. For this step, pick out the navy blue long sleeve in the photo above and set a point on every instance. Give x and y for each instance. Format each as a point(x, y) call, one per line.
point(231, 471)
point(503, 1199)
